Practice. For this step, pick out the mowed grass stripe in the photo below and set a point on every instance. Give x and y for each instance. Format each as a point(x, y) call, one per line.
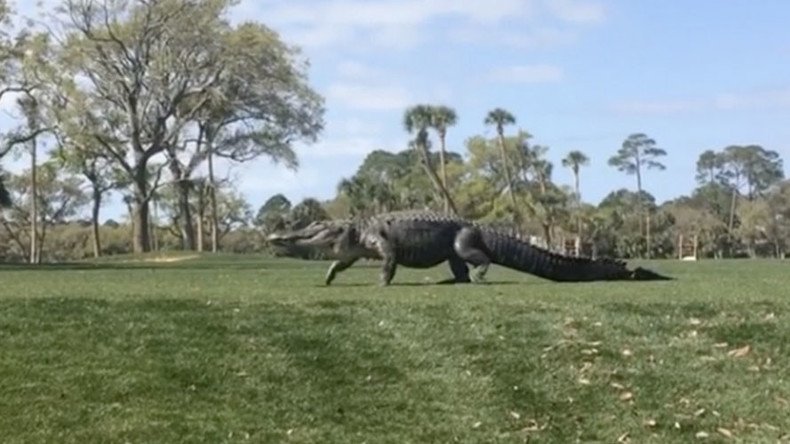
point(240, 349)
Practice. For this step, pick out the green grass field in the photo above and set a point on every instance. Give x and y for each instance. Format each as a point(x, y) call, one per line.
point(250, 349)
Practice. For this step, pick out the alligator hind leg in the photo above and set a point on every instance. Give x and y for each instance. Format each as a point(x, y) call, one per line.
point(337, 267)
point(465, 246)
point(460, 272)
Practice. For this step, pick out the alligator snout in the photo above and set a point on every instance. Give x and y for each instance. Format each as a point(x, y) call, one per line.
point(278, 238)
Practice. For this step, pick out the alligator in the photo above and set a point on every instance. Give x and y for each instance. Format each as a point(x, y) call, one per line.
point(422, 239)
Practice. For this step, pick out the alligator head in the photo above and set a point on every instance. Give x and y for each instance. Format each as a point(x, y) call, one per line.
point(319, 234)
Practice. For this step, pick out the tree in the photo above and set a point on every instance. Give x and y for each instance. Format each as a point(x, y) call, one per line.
point(58, 197)
point(574, 160)
point(486, 191)
point(367, 196)
point(417, 119)
point(32, 52)
point(234, 212)
point(271, 215)
point(639, 152)
point(305, 212)
point(751, 167)
point(261, 106)
point(24, 68)
point(82, 154)
point(709, 165)
point(149, 67)
point(5, 195)
point(30, 108)
point(623, 220)
point(778, 199)
point(499, 118)
point(441, 118)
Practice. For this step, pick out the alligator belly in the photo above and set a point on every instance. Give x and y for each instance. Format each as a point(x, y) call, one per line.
point(422, 259)
point(421, 263)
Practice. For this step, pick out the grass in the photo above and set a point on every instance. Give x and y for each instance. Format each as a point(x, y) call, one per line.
point(250, 349)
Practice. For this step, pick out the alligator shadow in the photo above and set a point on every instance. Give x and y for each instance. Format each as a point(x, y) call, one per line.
point(421, 284)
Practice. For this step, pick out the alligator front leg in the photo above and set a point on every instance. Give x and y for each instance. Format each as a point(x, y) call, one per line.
point(466, 246)
point(388, 267)
point(337, 267)
point(389, 260)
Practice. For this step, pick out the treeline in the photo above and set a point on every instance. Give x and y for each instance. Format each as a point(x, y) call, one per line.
point(740, 208)
point(142, 99)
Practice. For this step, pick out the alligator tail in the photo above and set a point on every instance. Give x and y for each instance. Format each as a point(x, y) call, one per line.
point(514, 253)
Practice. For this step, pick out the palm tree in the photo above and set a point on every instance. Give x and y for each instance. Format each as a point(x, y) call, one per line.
point(442, 117)
point(499, 118)
point(417, 119)
point(575, 160)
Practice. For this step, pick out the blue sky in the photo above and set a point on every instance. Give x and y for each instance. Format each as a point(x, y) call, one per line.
point(577, 74)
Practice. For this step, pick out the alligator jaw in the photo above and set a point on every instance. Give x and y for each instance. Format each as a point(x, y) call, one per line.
point(317, 234)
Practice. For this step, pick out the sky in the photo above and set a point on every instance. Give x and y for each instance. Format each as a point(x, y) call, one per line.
point(576, 74)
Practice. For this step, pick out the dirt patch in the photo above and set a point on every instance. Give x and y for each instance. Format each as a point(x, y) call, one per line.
point(170, 258)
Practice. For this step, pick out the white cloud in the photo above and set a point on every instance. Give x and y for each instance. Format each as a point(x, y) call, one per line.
point(535, 38)
point(350, 147)
point(369, 97)
point(527, 74)
point(754, 100)
point(658, 106)
point(776, 98)
point(352, 137)
point(577, 11)
point(352, 69)
point(319, 36)
point(402, 24)
point(397, 37)
point(374, 14)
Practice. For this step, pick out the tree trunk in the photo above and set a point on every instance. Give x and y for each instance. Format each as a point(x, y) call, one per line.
point(426, 162)
point(443, 166)
point(42, 223)
point(33, 203)
point(506, 166)
point(183, 187)
point(647, 233)
point(547, 233)
point(733, 200)
point(141, 241)
point(212, 196)
point(640, 211)
point(154, 226)
point(201, 213)
point(578, 202)
point(95, 221)
point(187, 229)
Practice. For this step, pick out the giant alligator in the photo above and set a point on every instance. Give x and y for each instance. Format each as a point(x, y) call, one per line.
point(418, 239)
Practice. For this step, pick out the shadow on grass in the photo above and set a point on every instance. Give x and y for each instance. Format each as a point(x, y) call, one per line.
point(375, 284)
point(155, 265)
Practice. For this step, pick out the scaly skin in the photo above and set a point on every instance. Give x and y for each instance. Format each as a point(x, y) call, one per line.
point(419, 239)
